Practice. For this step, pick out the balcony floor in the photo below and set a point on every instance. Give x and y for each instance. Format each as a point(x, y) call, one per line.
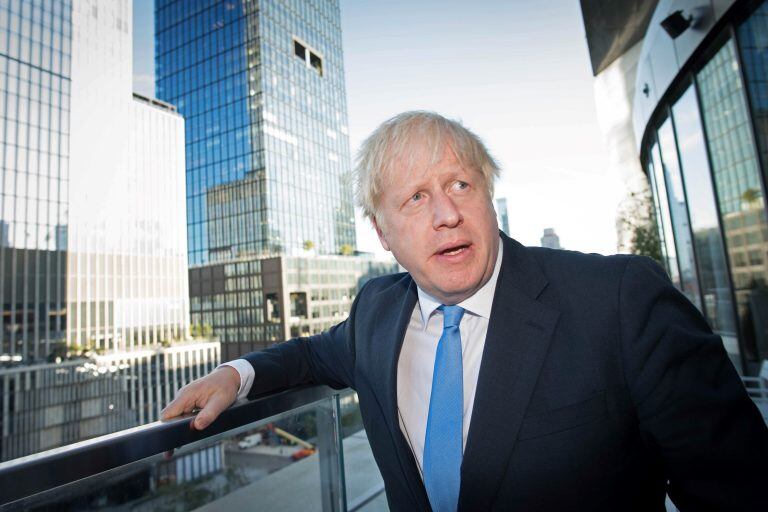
point(296, 487)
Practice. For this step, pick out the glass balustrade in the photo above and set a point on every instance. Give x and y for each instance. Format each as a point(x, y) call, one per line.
point(302, 450)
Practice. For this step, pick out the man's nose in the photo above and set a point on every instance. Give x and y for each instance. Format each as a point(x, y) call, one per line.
point(445, 214)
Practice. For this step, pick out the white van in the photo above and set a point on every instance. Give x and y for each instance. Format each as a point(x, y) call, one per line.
point(249, 441)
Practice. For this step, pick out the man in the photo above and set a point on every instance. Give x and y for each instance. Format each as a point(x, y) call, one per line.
point(497, 377)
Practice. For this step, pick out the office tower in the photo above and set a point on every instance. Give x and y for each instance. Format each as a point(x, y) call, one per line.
point(550, 239)
point(127, 283)
point(94, 289)
point(35, 67)
point(92, 195)
point(261, 87)
point(502, 216)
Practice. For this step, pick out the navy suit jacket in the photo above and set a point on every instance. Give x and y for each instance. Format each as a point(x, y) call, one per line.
point(601, 388)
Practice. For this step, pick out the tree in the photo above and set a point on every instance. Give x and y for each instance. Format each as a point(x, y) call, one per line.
point(309, 245)
point(346, 250)
point(751, 197)
point(637, 226)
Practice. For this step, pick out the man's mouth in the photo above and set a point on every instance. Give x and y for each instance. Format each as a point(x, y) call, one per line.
point(453, 250)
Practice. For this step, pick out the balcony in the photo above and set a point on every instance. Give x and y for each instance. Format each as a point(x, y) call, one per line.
point(302, 449)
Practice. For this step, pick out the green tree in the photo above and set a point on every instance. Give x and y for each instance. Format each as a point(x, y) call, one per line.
point(750, 196)
point(637, 223)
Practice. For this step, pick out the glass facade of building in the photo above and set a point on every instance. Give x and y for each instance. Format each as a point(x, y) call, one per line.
point(126, 268)
point(252, 304)
point(704, 151)
point(48, 405)
point(261, 86)
point(35, 62)
point(502, 214)
point(94, 294)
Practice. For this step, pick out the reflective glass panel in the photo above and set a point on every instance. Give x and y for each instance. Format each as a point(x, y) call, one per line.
point(740, 195)
point(678, 213)
point(661, 202)
point(753, 41)
point(710, 255)
point(288, 462)
point(34, 104)
point(267, 138)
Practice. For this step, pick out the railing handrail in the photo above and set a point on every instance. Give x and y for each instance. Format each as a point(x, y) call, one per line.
point(32, 474)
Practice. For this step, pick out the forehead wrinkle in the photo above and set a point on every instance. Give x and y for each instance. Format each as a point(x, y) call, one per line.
point(417, 169)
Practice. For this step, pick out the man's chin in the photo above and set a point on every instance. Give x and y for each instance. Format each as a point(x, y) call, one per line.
point(456, 293)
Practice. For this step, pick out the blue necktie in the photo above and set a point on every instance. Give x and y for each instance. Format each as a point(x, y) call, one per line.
point(443, 443)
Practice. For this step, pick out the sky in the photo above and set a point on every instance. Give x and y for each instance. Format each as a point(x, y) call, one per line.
point(515, 72)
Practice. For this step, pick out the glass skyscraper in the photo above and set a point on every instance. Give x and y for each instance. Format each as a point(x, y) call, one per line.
point(94, 295)
point(261, 86)
point(35, 62)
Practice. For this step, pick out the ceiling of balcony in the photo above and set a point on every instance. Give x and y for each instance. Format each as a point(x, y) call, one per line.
point(614, 26)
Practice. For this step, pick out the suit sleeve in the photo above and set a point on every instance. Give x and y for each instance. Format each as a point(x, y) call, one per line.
point(691, 405)
point(327, 358)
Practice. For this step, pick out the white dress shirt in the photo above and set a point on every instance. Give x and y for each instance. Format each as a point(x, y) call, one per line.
point(417, 359)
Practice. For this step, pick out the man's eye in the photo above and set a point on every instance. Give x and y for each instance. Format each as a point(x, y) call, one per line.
point(416, 196)
point(461, 185)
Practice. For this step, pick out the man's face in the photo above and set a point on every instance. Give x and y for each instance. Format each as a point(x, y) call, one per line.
point(439, 224)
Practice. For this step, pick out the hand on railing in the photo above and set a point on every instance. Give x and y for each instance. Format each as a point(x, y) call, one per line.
point(210, 395)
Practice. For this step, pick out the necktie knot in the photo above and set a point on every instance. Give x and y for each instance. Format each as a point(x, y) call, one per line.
point(452, 316)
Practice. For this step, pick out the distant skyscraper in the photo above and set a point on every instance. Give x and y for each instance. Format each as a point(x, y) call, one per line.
point(126, 280)
point(92, 226)
point(502, 216)
point(35, 67)
point(550, 239)
point(93, 277)
point(261, 86)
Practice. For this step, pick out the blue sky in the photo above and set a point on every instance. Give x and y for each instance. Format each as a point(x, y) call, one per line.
point(515, 72)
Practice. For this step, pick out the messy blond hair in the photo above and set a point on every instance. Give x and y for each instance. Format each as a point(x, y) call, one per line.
point(410, 137)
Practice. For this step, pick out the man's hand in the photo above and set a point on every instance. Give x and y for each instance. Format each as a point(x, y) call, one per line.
point(211, 394)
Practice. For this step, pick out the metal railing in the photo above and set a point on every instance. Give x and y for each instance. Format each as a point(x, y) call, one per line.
point(38, 480)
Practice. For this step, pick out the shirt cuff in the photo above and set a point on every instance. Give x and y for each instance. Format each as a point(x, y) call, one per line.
point(247, 374)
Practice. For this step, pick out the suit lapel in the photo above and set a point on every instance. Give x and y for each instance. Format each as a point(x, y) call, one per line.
point(398, 303)
point(518, 337)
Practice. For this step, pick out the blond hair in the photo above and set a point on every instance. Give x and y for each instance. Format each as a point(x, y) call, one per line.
point(410, 137)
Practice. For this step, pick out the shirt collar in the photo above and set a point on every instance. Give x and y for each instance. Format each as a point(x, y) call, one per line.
point(478, 304)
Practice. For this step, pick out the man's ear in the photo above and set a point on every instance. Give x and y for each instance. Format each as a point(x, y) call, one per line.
point(380, 234)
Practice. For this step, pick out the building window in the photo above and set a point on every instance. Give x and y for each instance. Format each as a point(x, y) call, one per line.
point(273, 308)
point(316, 62)
point(666, 234)
point(736, 173)
point(308, 55)
point(707, 240)
point(299, 50)
point(298, 305)
point(678, 207)
point(752, 40)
